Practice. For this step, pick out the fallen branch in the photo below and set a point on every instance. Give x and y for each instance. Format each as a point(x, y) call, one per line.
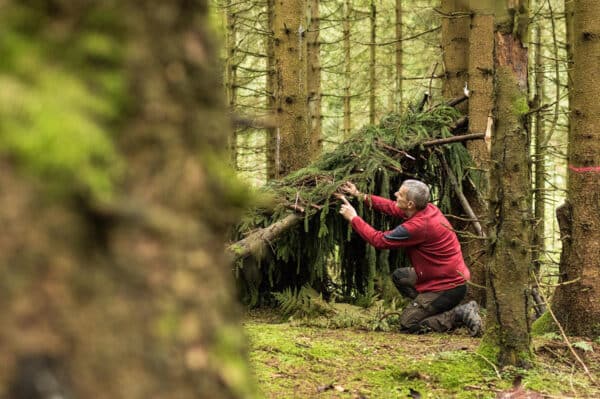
point(256, 241)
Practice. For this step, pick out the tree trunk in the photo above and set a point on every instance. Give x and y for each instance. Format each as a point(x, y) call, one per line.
point(578, 304)
point(507, 326)
point(399, 52)
point(539, 248)
point(272, 134)
point(372, 64)
point(290, 84)
point(231, 73)
point(455, 47)
point(314, 78)
point(103, 307)
point(347, 71)
point(481, 102)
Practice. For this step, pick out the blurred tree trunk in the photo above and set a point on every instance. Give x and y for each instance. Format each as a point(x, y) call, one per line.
point(577, 304)
point(481, 102)
point(290, 85)
point(314, 78)
point(132, 298)
point(508, 299)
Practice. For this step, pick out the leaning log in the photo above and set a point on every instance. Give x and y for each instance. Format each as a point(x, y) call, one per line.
point(256, 242)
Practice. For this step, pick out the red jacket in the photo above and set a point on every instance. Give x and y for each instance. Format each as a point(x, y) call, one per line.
point(430, 242)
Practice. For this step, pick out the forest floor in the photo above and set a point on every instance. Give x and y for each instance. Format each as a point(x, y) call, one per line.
point(299, 359)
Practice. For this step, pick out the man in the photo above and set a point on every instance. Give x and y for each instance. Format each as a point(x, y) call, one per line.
point(436, 282)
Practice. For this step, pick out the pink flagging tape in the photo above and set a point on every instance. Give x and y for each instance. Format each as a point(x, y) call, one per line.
point(595, 169)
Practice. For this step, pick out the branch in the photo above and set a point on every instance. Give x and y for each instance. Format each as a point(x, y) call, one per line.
point(454, 139)
point(463, 200)
point(256, 241)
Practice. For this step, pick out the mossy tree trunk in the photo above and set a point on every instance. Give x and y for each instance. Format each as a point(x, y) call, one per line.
point(481, 102)
point(290, 86)
point(133, 301)
point(508, 299)
point(577, 305)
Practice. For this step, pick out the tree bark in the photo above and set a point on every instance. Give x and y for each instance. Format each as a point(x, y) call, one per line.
point(578, 305)
point(373, 64)
point(347, 71)
point(481, 102)
point(539, 247)
point(272, 134)
point(106, 307)
point(314, 78)
point(507, 326)
point(399, 53)
point(455, 47)
point(290, 84)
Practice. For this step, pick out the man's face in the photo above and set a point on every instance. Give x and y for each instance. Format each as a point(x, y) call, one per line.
point(401, 201)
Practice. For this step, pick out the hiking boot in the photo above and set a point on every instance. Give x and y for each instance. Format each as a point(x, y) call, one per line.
point(468, 315)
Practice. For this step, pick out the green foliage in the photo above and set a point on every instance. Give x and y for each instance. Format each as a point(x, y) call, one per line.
point(305, 302)
point(61, 96)
point(377, 159)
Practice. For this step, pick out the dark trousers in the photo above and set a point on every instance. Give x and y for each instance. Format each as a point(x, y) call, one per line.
point(428, 311)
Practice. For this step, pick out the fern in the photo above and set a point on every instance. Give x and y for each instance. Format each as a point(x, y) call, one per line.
point(305, 302)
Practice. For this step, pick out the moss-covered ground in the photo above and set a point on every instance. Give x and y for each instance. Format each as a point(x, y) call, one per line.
point(292, 360)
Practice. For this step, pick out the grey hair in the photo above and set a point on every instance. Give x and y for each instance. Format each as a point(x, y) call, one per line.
point(417, 192)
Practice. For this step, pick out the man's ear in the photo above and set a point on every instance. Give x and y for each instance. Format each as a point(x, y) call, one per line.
point(410, 204)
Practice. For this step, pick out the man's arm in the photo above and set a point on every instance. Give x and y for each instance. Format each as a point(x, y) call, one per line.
point(376, 202)
point(396, 238)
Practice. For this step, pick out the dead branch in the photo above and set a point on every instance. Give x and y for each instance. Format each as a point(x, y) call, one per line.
point(255, 242)
point(463, 200)
point(454, 139)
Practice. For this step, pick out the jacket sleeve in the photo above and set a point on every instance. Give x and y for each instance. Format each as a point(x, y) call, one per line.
point(399, 237)
point(384, 205)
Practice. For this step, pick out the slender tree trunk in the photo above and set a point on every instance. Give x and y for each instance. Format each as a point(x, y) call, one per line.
point(455, 47)
point(231, 73)
point(538, 248)
point(372, 65)
point(578, 304)
point(347, 70)
point(314, 78)
point(399, 52)
point(272, 134)
point(508, 322)
point(481, 102)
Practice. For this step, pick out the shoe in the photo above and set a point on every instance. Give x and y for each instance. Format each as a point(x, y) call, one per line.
point(468, 315)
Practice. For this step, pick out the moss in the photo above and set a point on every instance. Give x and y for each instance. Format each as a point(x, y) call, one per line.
point(543, 325)
point(294, 361)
